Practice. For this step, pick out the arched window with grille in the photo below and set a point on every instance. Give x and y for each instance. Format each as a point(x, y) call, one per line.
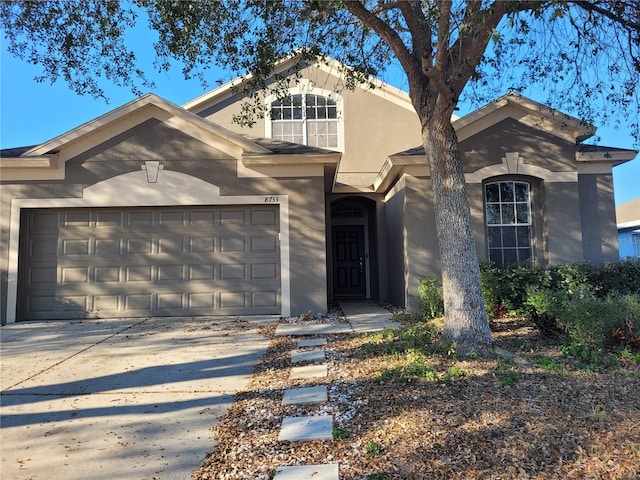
point(308, 119)
point(508, 221)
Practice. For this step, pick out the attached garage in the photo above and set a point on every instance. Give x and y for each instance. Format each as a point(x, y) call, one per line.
point(143, 261)
point(151, 210)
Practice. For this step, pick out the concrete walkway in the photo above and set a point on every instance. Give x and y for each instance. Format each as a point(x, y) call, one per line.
point(127, 399)
point(361, 317)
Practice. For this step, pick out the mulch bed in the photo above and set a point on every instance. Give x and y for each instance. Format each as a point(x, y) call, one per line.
point(491, 420)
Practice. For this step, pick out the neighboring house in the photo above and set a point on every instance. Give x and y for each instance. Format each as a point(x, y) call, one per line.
point(628, 217)
point(156, 209)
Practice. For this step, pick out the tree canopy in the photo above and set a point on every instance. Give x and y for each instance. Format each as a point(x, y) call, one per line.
point(584, 55)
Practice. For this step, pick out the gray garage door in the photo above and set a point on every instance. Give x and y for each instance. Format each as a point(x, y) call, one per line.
point(83, 263)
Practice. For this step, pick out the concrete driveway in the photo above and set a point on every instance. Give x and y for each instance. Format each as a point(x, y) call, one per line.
point(126, 398)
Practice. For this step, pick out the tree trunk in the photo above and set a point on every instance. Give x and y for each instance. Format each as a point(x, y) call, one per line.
point(466, 326)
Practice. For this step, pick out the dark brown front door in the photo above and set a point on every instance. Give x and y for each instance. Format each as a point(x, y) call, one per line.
point(349, 261)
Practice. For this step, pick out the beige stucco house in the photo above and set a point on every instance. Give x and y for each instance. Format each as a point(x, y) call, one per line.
point(159, 209)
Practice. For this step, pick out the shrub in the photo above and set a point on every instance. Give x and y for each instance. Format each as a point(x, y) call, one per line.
point(505, 288)
point(596, 325)
point(621, 277)
point(577, 278)
point(431, 302)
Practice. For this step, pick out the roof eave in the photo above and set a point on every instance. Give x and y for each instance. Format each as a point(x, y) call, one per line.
point(606, 156)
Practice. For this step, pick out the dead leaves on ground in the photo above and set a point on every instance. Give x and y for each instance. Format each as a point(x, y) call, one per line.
point(549, 424)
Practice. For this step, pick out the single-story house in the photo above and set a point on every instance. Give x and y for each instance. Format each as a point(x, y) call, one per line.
point(628, 217)
point(166, 210)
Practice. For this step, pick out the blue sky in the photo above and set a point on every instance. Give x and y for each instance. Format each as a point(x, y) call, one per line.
point(31, 112)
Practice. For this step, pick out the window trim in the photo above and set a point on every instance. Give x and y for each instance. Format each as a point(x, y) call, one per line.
point(531, 216)
point(307, 87)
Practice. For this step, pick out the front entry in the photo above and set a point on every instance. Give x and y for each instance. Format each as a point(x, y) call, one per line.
point(349, 278)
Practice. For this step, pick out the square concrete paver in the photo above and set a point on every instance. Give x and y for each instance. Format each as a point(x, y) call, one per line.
point(311, 356)
point(309, 472)
point(316, 427)
point(301, 396)
point(312, 342)
point(305, 372)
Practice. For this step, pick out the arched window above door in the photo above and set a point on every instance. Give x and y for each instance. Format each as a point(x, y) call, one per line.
point(348, 210)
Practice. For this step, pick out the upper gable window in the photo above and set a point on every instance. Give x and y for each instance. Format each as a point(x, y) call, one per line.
point(508, 216)
point(307, 119)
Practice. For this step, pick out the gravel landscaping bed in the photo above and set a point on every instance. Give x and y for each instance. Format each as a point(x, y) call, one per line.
point(404, 413)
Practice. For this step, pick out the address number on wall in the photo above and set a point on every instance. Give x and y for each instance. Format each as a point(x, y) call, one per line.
point(270, 199)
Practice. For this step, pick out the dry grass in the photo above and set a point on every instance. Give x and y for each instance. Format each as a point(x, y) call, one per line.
point(539, 418)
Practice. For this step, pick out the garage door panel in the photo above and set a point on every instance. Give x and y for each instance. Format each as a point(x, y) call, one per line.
point(108, 246)
point(139, 262)
point(263, 217)
point(264, 270)
point(74, 275)
point(233, 272)
point(136, 246)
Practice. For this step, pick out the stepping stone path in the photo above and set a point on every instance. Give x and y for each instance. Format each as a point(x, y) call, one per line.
point(308, 362)
point(310, 365)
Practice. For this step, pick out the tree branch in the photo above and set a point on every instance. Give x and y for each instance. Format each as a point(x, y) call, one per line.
point(420, 30)
point(594, 6)
point(475, 34)
point(388, 34)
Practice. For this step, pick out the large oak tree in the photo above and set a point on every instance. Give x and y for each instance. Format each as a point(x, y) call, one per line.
point(585, 55)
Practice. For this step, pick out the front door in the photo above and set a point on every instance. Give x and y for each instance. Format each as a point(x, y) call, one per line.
point(349, 261)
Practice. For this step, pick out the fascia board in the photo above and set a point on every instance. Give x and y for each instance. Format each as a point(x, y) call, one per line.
point(226, 90)
point(148, 106)
point(121, 112)
point(603, 156)
point(393, 166)
point(41, 161)
point(291, 159)
point(631, 224)
point(19, 169)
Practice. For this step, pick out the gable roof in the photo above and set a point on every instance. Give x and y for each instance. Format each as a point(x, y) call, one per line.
point(46, 160)
point(526, 111)
point(147, 106)
point(330, 66)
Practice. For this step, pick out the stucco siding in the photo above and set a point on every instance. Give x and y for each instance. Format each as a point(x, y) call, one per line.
point(534, 146)
point(374, 127)
point(396, 252)
point(423, 258)
point(564, 232)
point(178, 153)
point(476, 206)
point(597, 214)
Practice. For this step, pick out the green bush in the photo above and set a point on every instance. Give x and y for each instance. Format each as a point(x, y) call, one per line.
point(518, 288)
point(577, 278)
point(621, 277)
point(597, 325)
point(505, 288)
point(546, 301)
point(431, 302)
